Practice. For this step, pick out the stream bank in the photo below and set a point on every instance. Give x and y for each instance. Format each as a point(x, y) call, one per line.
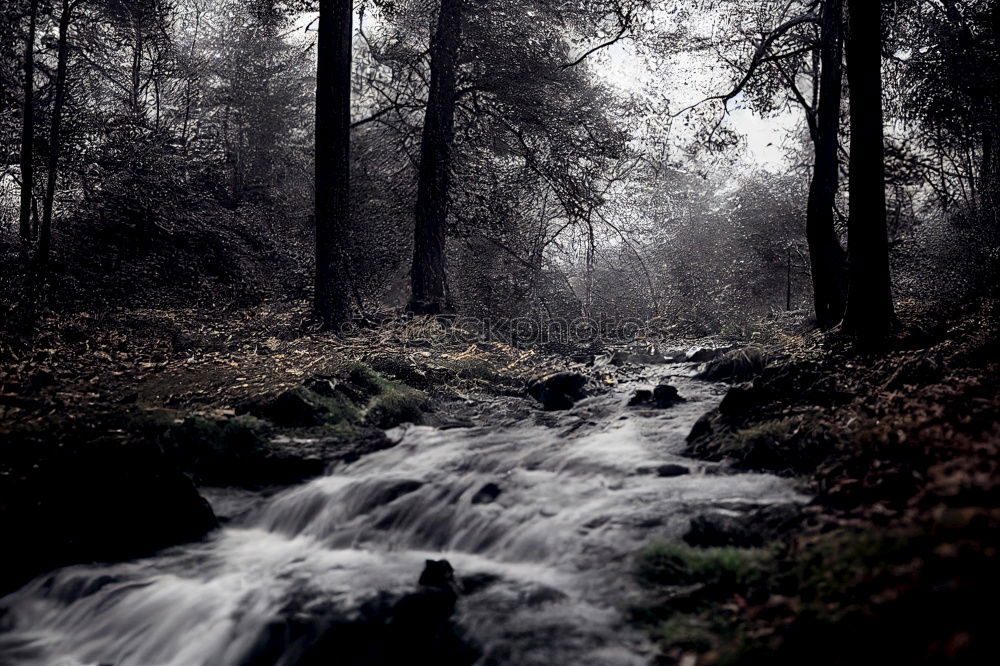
point(894, 560)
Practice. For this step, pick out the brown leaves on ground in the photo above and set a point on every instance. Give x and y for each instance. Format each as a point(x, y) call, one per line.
point(896, 560)
point(208, 361)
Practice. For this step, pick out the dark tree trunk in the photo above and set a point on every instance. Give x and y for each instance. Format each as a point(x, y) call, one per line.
point(28, 128)
point(869, 301)
point(827, 258)
point(333, 160)
point(55, 137)
point(429, 287)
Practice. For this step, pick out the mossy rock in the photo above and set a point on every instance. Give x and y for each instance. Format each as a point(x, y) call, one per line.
point(398, 404)
point(302, 407)
point(739, 365)
point(790, 445)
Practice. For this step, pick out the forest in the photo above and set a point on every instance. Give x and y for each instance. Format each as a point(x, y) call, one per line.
point(499, 332)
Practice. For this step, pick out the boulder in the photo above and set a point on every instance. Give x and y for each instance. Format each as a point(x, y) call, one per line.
point(640, 398)
point(752, 529)
point(661, 397)
point(558, 391)
point(297, 407)
point(738, 365)
point(671, 470)
point(96, 502)
point(416, 628)
point(666, 395)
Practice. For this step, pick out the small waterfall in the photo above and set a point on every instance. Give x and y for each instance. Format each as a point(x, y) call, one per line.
point(539, 519)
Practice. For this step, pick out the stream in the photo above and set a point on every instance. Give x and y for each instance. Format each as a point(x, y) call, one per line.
point(540, 514)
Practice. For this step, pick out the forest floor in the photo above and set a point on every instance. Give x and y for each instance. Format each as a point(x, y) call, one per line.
point(893, 561)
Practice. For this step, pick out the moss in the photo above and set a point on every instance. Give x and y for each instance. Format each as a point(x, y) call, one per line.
point(816, 599)
point(333, 409)
point(473, 368)
point(789, 445)
point(688, 632)
point(688, 588)
point(737, 365)
point(397, 404)
point(722, 568)
point(367, 379)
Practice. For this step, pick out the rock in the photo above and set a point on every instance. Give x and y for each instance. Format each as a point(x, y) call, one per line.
point(672, 470)
point(737, 365)
point(487, 494)
point(666, 395)
point(740, 399)
point(719, 530)
point(96, 502)
point(416, 628)
point(662, 397)
point(558, 391)
point(641, 397)
point(248, 452)
point(704, 354)
point(703, 427)
point(619, 358)
point(298, 407)
point(477, 582)
point(439, 574)
point(421, 630)
point(639, 355)
point(747, 530)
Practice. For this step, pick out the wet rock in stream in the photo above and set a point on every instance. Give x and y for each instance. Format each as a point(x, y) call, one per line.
point(558, 391)
point(667, 471)
point(662, 397)
point(704, 354)
point(415, 628)
point(751, 529)
point(487, 494)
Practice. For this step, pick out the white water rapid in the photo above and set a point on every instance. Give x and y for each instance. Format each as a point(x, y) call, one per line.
point(544, 513)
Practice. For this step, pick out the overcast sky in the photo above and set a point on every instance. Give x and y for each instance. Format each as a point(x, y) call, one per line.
point(686, 80)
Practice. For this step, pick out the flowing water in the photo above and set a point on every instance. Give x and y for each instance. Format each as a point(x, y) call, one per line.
point(545, 512)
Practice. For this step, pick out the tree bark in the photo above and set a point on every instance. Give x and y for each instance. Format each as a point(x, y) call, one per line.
point(869, 302)
point(827, 258)
point(55, 138)
point(28, 128)
point(429, 286)
point(333, 161)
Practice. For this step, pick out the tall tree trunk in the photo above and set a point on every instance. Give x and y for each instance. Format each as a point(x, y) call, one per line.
point(55, 138)
point(333, 160)
point(429, 286)
point(869, 301)
point(28, 128)
point(827, 258)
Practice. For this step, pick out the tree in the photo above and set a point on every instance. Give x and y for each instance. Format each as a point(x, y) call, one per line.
point(55, 137)
point(869, 302)
point(825, 253)
point(333, 157)
point(28, 127)
point(429, 290)
point(801, 42)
